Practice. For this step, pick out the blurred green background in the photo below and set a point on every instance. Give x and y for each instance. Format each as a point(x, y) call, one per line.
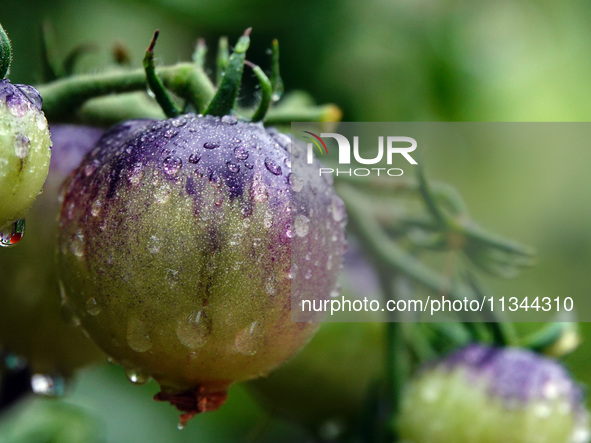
point(379, 60)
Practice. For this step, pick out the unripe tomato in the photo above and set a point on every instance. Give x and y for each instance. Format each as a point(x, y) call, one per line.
point(31, 321)
point(175, 251)
point(24, 152)
point(489, 395)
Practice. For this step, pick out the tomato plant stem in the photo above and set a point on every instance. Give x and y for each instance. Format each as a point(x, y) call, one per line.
point(62, 98)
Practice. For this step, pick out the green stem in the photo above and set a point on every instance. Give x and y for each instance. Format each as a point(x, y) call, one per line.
point(156, 86)
point(397, 368)
point(63, 97)
point(276, 81)
point(429, 199)
point(266, 92)
point(222, 59)
point(200, 53)
point(223, 101)
point(5, 53)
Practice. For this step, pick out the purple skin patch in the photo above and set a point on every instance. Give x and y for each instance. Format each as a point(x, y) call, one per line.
point(516, 374)
point(167, 143)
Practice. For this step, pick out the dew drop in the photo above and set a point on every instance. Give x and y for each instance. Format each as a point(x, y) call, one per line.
point(154, 244)
point(233, 167)
point(32, 95)
point(338, 209)
point(92, 307)
point(48, 385)
point(210, 145)
point(301, 225)
point(258, 192)
point(95, 208)
point(179, 122)
point(136, 174)
point(194, 330)
point(22, 144)
point(288, 232)
point(77, 244)
point(248, 165)
point(235, 239)
point(287, 162)
point(194, 158)
point(16, 106)
point(240, 153)
point(308, 275)
point(250, 339)
point(171, 133)
point(268, 220)
point(273, 167)
point(12, 234)
point(270, 285)
point(229, 120)
point(162, 194)
point(215, 179)
point(90, 168)
point(137, 335)
point(172, 164)
point(62, 289)
point(41, 122)
point(136, 376)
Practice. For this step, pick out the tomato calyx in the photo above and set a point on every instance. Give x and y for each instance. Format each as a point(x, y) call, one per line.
point(194, 401)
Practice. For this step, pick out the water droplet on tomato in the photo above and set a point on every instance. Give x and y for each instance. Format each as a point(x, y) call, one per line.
point(92, 307)
point(301, 225)
point(48, 385)
point(172, 164)
point(12, 234)
point(138, 338)
point(193, 330)
point(273, 167)
point(249, 340)
point(136, 376)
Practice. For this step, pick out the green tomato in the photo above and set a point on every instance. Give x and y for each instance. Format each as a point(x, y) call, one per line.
point(490, 395)
point(24, 151)
point(31, 318)
point(176, 246)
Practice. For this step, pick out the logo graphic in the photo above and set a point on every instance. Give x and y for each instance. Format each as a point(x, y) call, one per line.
point(315, 140)
point(388, 148)
point(394, 145)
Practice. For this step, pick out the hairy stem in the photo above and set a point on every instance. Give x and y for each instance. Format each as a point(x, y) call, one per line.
point(64, 97)
point(5, 53)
